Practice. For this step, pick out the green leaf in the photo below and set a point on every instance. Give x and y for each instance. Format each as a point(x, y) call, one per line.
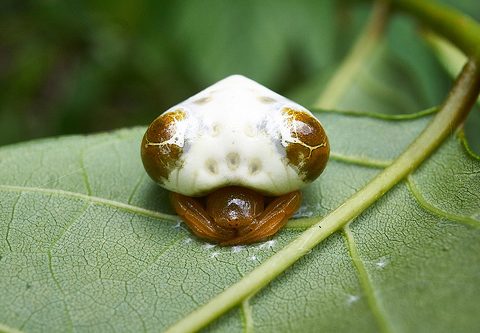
point(85, 244)
point(381, 77)
point(256, 39)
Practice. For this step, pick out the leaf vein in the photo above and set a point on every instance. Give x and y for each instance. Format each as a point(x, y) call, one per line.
point(57, 283)
point(7, 232)
point(84, 172)
point(365, 282)
point(161, 253)
point(135, 188)
point(246, 314)
point(94, 200)
point(416, 193)
point(363, 161)
point(68, 228)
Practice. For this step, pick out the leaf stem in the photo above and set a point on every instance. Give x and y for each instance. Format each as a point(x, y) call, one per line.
point(357, 58)
point(460, 29)
point(451, 114)
point(449, 55)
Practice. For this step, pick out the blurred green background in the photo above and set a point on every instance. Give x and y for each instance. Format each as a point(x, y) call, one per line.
point(86, 66)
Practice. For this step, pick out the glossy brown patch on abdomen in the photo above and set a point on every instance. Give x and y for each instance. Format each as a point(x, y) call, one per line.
point(308, 149)
point(162, 145)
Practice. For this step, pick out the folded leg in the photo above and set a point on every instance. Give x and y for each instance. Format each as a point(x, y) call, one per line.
point(268, 223)
point(202, 225)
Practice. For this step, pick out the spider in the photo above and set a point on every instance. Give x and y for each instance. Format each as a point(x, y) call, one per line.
point(234, 157)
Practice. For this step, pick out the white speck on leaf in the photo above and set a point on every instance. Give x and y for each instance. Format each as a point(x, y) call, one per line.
point(209, 246)
point(237, 248)
point(267, 245)
point(352, 299)
point(178, 225)
point(382, 262)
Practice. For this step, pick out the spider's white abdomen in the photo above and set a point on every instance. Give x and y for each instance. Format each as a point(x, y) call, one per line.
point(235, 132)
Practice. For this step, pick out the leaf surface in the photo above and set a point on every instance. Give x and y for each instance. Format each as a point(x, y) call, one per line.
point(88, 243)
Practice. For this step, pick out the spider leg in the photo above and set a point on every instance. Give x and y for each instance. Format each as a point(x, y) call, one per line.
point(199, 222)
point(274, 217)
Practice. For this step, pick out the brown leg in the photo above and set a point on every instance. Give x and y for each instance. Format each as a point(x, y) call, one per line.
point(270, 221)
point(194, 215)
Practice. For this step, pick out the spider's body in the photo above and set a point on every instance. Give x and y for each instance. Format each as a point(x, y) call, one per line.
point(235, 141)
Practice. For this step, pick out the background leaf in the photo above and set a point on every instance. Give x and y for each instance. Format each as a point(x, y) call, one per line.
point(74, 262)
